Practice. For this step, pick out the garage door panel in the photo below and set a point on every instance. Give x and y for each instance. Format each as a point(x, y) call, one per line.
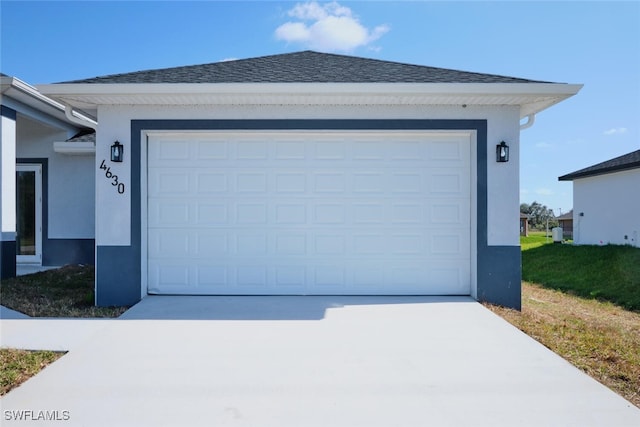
point(292, 181)
point(169, 150)
point(163, 213)
point(317, 214)
point(328, 244)
point(442, 278)
point(411, 183)
point(291, 244)
point(163, 276)
point(212, 277)
point(207, 152)
point(291, 277)
point(451, 150)
point(169, 181)
point(251, 276)
point(211, 182)
point(251, 150)
point(290, 213)
point(210, 243)
point(210, 213)
point(444, 183)
point(171, 243)
point(451, 212)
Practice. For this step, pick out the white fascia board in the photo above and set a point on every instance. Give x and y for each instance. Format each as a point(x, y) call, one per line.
point(15, 88)
point(89, 95)
point(50, 117)
point(88, 89)
point(74, 148)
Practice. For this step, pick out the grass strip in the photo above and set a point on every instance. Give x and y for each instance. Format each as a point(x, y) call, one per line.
point(17, 366)
point(600, 338)
point(64, 292)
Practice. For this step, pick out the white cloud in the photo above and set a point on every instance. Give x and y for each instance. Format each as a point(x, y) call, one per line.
point(293, 32)
point(327, 27)
point(615, 131)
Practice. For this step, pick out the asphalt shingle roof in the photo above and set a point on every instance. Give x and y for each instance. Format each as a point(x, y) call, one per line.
point(304, 67)
point(625, 162)
point(88, 135)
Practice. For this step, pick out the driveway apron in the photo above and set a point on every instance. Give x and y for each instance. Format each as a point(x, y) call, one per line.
point(309, 361)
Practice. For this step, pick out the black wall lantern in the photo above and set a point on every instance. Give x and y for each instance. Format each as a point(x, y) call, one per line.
point(502, 152)
point(116, 152)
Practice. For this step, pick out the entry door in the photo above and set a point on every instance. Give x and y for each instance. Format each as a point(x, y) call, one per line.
point(29, 213)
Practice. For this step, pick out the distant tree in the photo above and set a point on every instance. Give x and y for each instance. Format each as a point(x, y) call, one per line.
point(538, 215)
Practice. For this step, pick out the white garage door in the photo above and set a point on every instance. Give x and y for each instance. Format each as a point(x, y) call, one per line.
point(309, 213)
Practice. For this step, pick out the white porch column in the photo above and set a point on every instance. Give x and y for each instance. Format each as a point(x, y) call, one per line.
point(8, 194)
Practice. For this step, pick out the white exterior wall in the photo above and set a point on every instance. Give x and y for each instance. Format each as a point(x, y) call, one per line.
point(113, 222)
point(71, 193)
point(7, 179)
point(607, 208)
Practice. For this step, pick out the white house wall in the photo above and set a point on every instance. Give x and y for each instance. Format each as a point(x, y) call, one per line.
point(113, 222)
point(7, 193)
point(606, 209)
point(70, 181)
point(8, 179)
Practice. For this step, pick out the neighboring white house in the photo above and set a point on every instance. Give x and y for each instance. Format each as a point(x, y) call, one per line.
point(48, 183)
point(307, 173)
point(606, 202)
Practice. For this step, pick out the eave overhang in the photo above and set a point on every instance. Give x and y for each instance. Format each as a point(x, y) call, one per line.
point(25, 94)
point(530, 97)
point(603, 171)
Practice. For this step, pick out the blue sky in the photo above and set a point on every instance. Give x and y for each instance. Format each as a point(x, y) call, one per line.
point(592, 43)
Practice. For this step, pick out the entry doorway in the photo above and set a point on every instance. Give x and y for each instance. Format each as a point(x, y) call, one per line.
point(29, 213)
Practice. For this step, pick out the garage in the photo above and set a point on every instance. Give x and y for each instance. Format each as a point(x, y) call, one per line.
point(308, 213)
point(308, 173)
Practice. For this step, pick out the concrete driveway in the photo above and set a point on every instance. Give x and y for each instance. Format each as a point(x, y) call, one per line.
point(303, 361)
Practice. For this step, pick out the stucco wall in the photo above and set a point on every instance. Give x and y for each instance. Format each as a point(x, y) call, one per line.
point(7, 194)
point(495, 267)
point(113, 219)
point(607, 209)
point(70, 181)
point(7, 175)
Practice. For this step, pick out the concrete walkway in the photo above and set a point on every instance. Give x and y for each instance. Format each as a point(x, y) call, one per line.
point(7, 313)
point(304, 361)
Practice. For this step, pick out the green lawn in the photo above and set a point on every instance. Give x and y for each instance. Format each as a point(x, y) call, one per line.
point(609, 273)
point(534, 239)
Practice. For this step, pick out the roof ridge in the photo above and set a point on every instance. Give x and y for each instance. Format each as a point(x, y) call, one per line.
point(306, 66)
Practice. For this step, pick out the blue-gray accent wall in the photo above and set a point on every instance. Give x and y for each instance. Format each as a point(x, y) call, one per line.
point(58, 252)
point(118, 268)
point(7, 259)
point(9, 113)
point(500, 275)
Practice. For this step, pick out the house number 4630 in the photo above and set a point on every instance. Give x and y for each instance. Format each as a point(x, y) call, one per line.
point(113, 177)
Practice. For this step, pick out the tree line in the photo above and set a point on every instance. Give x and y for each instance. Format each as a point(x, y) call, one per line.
point(538, 215)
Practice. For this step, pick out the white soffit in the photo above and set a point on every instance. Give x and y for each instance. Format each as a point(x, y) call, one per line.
point(532, 97)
